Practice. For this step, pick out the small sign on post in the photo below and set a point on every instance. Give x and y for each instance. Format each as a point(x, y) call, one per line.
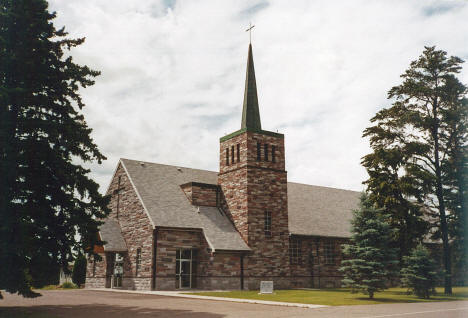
point(266, 287)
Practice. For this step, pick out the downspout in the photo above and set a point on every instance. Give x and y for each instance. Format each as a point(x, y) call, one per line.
point(242, 271)
point(153, 268)
point(317, 247)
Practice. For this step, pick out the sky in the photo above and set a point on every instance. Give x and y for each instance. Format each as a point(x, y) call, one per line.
point(173, 75)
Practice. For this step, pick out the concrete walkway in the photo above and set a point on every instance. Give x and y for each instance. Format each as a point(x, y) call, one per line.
point(181, 294)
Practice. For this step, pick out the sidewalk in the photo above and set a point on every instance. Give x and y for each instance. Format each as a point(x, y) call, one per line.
point(182, 295)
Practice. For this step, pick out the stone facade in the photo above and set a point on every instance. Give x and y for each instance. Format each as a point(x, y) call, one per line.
point(253, 181)
point(202, 194)
point(137, 231)
point(317, 262)
point(211, 270)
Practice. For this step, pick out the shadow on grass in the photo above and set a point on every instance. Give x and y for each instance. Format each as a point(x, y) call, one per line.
point(98, 310)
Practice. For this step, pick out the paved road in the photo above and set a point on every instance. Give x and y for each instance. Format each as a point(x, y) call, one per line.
point(89, 304)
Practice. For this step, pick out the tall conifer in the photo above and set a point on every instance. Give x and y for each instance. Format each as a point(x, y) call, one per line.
point(369, 260)
point(422, 141)
point(46, 195)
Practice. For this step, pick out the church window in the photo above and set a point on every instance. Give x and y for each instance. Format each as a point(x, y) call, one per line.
point(227, 156)
point(329, 252)
point(138, 261)
point(259, 155)
point(273, 153)
point(238, 153)
point(266, 152)
point(232, 154)
point(267, 224)
point(295, 252)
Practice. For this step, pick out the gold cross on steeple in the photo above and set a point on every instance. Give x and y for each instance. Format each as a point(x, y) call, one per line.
point(250, 31)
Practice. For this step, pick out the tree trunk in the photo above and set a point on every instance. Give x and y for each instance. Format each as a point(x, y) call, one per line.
point(440, 198)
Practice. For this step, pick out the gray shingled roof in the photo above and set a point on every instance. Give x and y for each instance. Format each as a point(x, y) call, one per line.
point(320, 211)
point(313, 210)
point(110, 232)
point(159, 189)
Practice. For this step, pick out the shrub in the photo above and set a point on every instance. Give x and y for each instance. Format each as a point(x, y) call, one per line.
point(79, 270)
point(68, 285)
point(419, 272)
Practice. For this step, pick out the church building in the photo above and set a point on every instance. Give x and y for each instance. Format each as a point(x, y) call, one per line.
point(179, 228)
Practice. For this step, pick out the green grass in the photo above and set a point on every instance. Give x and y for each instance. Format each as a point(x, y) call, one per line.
point(341, 297)
point(59, 287)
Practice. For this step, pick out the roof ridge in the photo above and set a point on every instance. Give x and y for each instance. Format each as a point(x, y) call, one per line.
point(168, 165)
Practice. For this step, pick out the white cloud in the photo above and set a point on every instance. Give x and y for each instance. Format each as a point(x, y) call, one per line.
point(173, 74)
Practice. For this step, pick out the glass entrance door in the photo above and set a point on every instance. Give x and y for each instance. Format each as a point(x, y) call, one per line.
point(118, 271)
point(185, 268)
point(185, 274)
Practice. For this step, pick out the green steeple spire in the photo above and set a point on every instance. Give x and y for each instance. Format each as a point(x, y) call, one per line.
point(250, 111)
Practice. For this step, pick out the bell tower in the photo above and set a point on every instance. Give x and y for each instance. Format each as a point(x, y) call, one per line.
point(253, 181)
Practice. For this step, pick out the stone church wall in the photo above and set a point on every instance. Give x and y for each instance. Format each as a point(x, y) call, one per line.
point(201, 194)
point(96, 272)
point(213, 271)
point(313, 268)
point(252, 187)
point(136, 230)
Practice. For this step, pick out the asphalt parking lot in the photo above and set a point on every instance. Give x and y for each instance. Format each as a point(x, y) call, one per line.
point(102, 304)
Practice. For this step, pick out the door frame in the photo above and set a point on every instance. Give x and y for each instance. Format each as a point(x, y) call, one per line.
point(181, 260)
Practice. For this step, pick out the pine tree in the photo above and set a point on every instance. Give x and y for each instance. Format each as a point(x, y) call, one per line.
point(46, 196)
point(369, 260)
point(419, 272)
point(421, 140)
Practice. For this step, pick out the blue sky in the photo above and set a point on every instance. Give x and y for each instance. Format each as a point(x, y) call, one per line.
point(173, 75)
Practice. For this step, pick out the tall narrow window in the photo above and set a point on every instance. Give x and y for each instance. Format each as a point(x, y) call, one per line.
point(232, 154)
point(227, 156)
point(267, 224)
point(329, 252)
point(259, 155)
point(295, 252)
point(238, 153)
point(273, 153)
point(138, 261)
point(266, 152)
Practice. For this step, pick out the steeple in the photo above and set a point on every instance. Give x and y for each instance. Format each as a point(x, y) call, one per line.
point(250, 111)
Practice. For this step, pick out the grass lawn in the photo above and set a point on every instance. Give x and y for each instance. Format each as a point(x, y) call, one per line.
point(340, 297)
point(58, 287)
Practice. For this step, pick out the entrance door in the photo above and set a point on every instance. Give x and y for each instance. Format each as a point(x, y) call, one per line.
point(185, 274)
point(185, 268)
point(118, 271)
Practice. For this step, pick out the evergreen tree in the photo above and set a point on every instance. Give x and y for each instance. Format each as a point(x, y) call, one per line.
point(420, 142)
point(46, 196)
point(369, 259)
point(79, 270)
point(419, 272)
